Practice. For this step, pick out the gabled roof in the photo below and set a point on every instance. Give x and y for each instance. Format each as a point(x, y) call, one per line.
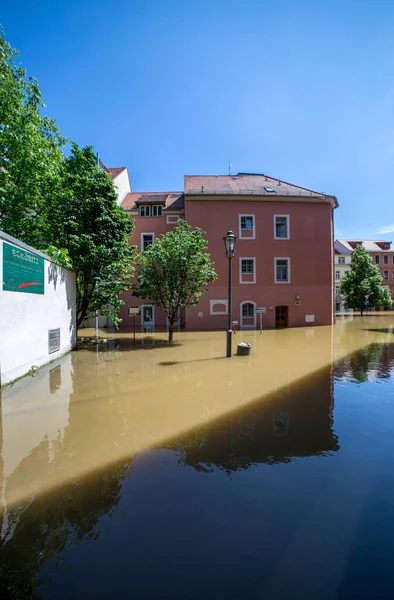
point(247, 184)
point(115, 171)
point(370, 245)
point(170, 200)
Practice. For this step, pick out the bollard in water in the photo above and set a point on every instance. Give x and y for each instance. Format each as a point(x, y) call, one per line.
point(244, 349)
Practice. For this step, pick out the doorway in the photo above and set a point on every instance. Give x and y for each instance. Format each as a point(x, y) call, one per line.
point(248, 315)
point(281, 316)
point(148, 318)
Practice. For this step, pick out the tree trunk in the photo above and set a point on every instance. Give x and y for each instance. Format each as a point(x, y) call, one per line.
point(170, 332)
point(362, 310)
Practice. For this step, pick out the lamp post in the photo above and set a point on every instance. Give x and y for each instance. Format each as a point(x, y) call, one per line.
point(229, 244)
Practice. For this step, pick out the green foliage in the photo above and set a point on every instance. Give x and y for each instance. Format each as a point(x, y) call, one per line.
point(33, 371)
point(30, 153)
point(86, 221)
point(60, 255)
point(174, 271)
point(364, 279)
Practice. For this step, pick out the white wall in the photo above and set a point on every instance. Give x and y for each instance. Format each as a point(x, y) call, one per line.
point(122, 185)
point(25, 318)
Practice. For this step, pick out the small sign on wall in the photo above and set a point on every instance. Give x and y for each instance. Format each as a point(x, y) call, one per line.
point(23, 271)
point(309, 318)
point(200, 314)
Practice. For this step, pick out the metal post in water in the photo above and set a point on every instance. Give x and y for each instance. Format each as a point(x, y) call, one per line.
point(229, 330)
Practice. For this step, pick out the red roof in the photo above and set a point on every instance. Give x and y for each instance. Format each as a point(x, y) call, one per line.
point(115, 171)
point(171, 200)
point(246, 184)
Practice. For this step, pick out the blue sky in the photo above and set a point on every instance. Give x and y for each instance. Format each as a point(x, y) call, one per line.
point(301, 90)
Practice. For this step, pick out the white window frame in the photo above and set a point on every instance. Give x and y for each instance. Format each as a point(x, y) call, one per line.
point(242, 326)
point(341, 260)
point(142, 315)
point(157, 206)
point(288, 227)
point(142, 238)
point(241, 258)
point(169, 220)
point(144, 206)
point(212, 310)
point(288, 269)
point(337, 275)
point(250, 237)
point(385, 272)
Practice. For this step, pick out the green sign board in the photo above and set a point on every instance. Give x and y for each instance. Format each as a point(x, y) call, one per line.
point(22, 271)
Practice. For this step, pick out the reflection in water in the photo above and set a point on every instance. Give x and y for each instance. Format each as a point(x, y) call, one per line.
point(128, 455)
point(293, 422)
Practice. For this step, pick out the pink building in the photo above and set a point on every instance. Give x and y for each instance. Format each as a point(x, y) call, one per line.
point(284, 252)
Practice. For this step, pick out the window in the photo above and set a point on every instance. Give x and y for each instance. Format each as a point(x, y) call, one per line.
point(270, 190)
point(147, 239)
point(248, 310)
point(341, 260)
point(156, 210)
point(282, 270)
point(145, 210)
point(337, 274)
point(246, 227)
point(281, 227)
point(393, 274)
point(337, 289)
point(377, 259)
point(393, 259)
point(393, 290)
point(385, 274)
point(247, 270)
point(386, 259)
point(172, 219)
point(247, 266)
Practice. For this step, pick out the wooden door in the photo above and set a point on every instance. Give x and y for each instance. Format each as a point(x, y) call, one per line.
point(281, 316)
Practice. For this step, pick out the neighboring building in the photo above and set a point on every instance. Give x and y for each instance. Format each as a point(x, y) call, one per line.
point(120, 177)
point(342, 258)
point(382, 254)
point(38, 309)
point(284, 253)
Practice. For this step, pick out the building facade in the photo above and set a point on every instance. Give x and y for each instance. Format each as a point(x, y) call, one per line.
point(382, 254)
point(284, 252)
point(342, 258)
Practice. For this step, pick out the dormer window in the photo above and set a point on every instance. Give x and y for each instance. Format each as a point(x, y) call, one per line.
point(145, 210)
point(156, 210)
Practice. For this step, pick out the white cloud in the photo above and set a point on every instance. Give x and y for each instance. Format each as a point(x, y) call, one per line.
point(388, 229)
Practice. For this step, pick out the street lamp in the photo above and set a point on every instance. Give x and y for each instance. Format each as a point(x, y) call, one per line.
point(229, 244)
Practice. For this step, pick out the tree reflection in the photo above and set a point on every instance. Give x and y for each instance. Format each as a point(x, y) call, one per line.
point(295, 421)
point(374, 360)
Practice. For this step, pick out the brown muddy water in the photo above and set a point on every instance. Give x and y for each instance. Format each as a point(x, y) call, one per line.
point(177, 473)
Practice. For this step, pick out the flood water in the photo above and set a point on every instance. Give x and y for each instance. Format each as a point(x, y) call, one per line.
point(176, 473)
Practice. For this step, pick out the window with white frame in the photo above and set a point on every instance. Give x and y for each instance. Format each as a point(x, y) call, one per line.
point(147, 239)
point(386, 259)
point(282, 270)
point(337, 288)
point(145, 210)
point(281, 227)
point(341, 260)
point(385, 274)
point(157, 210)
point(248, 310)
point(246, 227)
point(337, 274)
point(247, 270)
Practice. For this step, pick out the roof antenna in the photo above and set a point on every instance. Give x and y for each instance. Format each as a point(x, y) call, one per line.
point(229, 167)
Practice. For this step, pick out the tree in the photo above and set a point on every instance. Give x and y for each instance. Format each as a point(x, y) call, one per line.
point(364, 282)
point(87, 222)
point(30, 153)
point(174, 271)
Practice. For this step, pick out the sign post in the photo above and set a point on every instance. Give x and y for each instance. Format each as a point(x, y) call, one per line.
point(133, 312)
point(261, 310)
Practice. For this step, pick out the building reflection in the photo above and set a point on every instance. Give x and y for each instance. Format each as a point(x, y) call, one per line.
point(373, 361)
point(293, 422)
